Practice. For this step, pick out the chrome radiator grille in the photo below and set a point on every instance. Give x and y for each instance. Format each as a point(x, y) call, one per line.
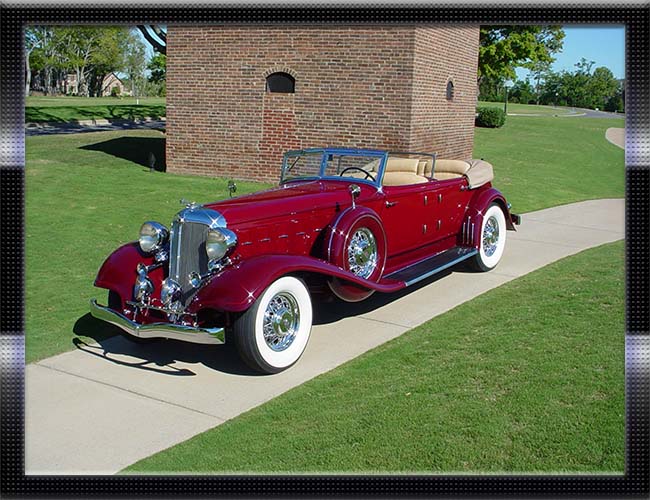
point(187, 254)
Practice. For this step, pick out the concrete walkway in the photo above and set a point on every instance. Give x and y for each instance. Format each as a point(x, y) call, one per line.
point(99, 125)
point(616, 136)
point(100, 408)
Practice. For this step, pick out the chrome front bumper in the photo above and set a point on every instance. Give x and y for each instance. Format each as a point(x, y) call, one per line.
point(157, 330)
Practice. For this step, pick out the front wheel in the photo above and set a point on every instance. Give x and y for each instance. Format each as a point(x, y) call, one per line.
point(273, 333)
point(492, 239)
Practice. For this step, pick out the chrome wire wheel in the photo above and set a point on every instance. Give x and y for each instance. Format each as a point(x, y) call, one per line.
point(362, 253)
point(281, 321)
point(490, 236)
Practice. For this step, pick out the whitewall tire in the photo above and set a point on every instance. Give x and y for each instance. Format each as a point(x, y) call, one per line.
point(492, 239)
point(273, 333)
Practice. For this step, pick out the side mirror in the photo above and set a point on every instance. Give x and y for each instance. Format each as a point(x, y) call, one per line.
point(232, 188)
point(355, 191)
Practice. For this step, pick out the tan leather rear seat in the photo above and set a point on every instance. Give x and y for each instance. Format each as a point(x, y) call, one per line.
point(402, 171)
point(450, 169)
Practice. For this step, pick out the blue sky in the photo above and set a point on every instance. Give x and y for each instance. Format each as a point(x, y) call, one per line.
point(603, 44)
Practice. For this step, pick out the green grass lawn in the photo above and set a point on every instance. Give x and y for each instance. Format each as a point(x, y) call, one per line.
point(540, 162)
point(49, 101)
point(528, 108)
point(86, 194)
point(528, 377)
point(74, 109)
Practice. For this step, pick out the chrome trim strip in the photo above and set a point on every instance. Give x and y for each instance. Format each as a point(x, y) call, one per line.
point(192, 334)
point(441, 268)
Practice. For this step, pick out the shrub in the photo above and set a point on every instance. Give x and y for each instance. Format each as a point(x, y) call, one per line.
point(115, 91)
point(490, 117)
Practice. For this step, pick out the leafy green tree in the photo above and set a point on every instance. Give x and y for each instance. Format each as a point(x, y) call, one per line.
point(504, 48)
point(491, 89)
point(42, 51)
point(79, 46)
point(111, 57)
point(522, 91)
point(158, 68)
point(602, 87)
point(134, 63)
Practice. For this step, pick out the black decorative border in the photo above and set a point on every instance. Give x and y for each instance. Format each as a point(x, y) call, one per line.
point(635, 482)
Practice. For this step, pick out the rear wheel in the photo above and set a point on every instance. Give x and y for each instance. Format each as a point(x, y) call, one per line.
point(492, 239)
point(361, 250)
point(272, 335)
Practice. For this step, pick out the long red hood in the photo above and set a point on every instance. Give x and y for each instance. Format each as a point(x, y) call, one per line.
point(292, 198)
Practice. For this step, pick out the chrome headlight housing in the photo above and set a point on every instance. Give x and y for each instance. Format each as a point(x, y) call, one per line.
point(218, 243)
point(153, 235)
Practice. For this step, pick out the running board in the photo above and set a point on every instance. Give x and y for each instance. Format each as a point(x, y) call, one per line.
point(432, 265)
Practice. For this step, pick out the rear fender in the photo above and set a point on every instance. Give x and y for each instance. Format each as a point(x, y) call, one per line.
point(236, 288)
point(471, 230)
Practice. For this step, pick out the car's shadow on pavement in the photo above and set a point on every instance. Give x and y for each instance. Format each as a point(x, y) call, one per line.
point(335, 310)
point(157, 356)
point(160, 356)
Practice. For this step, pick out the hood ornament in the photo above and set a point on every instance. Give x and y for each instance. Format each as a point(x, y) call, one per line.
point(189, 204)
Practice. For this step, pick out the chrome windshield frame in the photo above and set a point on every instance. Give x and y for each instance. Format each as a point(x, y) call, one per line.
point(325, 153)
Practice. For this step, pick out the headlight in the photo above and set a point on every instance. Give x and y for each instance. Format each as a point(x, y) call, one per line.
point(219, 242)
point(153, 236)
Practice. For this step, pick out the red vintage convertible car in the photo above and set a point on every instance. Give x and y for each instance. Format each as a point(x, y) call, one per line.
point(346, 220)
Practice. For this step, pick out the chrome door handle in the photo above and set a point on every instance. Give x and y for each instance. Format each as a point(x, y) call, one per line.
point(390, 204)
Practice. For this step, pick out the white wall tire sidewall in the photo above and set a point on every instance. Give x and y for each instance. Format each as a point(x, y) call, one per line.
point(284, 359)
point(491, 261)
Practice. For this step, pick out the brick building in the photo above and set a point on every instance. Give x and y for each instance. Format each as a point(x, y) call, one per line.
point(238, 97)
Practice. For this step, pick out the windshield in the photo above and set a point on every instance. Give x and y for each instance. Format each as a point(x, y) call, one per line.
point(356, 165)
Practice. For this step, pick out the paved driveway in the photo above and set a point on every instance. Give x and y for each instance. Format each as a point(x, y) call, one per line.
point(32, 129)
point(102, 407)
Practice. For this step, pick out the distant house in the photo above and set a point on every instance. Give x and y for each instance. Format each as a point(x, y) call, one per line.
point(110, 81)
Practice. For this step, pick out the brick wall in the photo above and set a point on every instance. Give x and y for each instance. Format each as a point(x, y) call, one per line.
point(443, 54)
point(356, 86)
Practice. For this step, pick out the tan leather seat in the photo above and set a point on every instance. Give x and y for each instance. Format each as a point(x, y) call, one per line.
point(450, 169)
point(402, 172)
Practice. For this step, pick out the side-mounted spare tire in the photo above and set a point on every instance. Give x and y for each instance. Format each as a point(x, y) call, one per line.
point(356, 243)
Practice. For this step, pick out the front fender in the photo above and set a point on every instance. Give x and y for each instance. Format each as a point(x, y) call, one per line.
point(118, 272)
point(236, 288)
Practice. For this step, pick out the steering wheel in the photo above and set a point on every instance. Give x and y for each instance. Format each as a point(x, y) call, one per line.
point(368, 174)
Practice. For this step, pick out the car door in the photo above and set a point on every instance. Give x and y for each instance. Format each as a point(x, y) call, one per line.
point(444, 207)
point(403, 216)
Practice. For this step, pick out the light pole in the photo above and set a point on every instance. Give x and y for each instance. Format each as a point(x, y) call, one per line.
point(507, 84)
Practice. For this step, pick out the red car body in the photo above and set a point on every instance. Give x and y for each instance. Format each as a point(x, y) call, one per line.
point(303, 228)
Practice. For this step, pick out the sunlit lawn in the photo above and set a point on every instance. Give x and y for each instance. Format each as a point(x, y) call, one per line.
point(86, 194)
point(73, 109)
point(528, 377)
point(540, 162)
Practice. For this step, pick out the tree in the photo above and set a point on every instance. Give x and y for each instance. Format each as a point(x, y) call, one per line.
point(156, 35)
point(111, 57)
point(603, 88)
point(42, 44)
point(539, 70)
point(158, 68)
point(32, 42)
point(80, 45)
point(134, 63)
point(522, 91)
point(503, 48)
